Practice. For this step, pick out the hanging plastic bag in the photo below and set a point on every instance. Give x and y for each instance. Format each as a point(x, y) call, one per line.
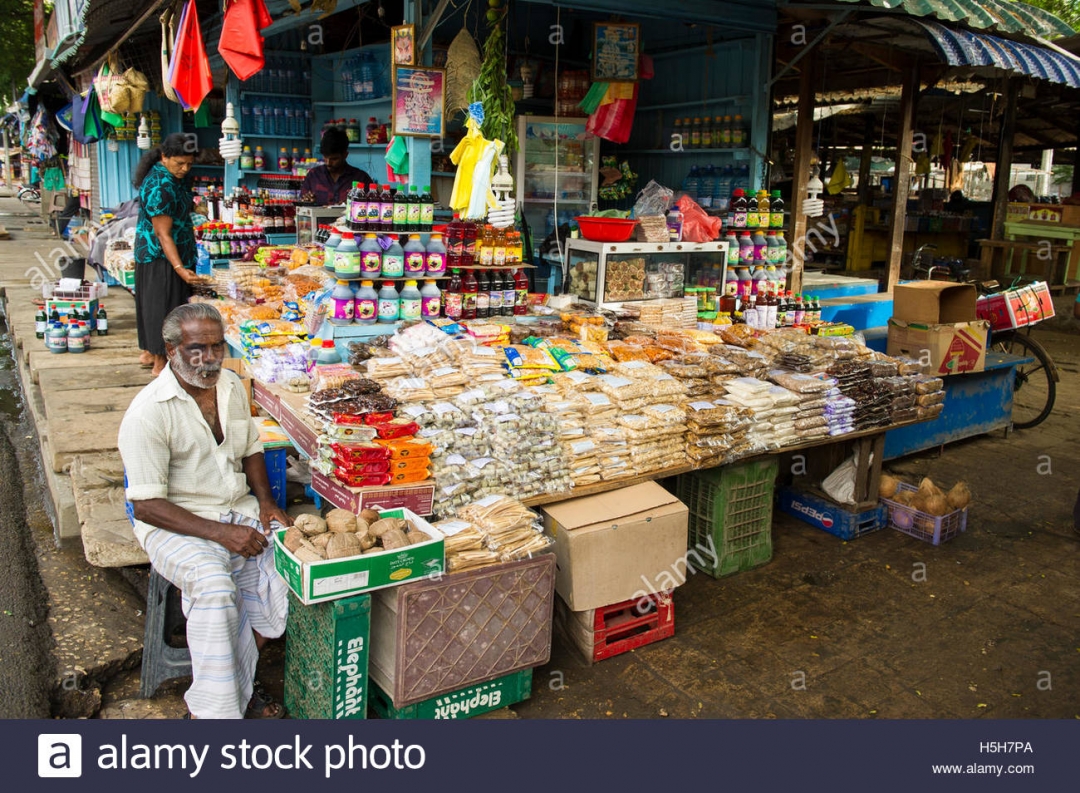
point(168, 45)
point(615, 120)
point(189, 72)
point(241, 42)
point(109, 86)
point(697, 226)
point(86, 123)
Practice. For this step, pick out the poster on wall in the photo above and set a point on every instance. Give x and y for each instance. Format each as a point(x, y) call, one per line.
point(616, 48)
point(404, 39)
point(419, 97)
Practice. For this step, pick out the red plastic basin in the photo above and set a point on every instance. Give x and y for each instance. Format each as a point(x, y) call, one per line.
point(606, 229)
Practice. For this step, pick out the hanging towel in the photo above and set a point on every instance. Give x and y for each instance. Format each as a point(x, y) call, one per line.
point(481, 199)
point(241, 43)
point(397, 160)
point(189, 71)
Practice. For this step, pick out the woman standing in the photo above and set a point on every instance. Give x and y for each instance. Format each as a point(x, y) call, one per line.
point(164, 240)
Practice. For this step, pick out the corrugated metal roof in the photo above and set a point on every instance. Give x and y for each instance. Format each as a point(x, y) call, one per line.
point(964, 48)
point(1002, 16)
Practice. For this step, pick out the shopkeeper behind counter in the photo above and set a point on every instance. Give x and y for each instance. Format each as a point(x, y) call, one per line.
point(329, 184)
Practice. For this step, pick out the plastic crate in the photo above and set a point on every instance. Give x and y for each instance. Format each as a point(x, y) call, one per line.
point(277, 463)
point(730, 514)
point(921, 525)
point(618, 628)
point(461, 704)
point(829, 516)
point(326, 658)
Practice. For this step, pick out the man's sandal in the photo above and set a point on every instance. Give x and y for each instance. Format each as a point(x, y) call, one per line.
point(262, 705)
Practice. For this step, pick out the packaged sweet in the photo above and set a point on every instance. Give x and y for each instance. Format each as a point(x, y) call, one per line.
point(396, 428)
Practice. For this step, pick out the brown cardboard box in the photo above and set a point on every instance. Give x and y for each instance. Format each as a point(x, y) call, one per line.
point(619, 545)
point(946, 348)
point(934, 302)
point(240, 367)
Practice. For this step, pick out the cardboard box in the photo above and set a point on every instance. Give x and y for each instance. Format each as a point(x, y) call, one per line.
point(946, 349)
point(317, 582)
point(240, 367)
point(419, 498)
point(934, 302)
point(1045, 213)
point(64, 309)
point(1017, 212)
point(618, 546)
point(1017, 308)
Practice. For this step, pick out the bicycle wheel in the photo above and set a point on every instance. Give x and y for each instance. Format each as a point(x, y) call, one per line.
point(1034, 390)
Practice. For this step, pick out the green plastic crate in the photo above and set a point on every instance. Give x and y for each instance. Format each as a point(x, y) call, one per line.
point(731, 505)
point(326, 658)
point(461, 704)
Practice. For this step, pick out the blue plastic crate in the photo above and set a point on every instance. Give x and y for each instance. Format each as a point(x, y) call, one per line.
point(829, 516)
point(277, 462)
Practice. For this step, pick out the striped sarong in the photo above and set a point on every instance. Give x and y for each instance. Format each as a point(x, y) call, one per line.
point(225, 598)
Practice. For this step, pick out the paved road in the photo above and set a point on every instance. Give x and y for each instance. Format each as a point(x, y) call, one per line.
point(25, 657)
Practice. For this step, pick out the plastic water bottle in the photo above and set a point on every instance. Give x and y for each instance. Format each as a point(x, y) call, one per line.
point(742, 179)
point(367, 76)
point(706, 187)
point(722, 191)
point(257, 122)
point(692, 183)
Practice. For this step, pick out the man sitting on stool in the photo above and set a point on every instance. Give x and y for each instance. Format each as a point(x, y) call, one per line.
point(193, 458)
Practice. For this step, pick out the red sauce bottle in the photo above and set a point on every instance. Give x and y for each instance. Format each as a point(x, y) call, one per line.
point(469, 290)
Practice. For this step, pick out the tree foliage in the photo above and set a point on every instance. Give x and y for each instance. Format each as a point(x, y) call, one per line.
point(1068, 11)
point(17, 53)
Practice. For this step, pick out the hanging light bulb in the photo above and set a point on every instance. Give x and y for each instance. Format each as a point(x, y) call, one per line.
point(142, 140)
point(230, 145)
point(502, 185)
point(814, 206)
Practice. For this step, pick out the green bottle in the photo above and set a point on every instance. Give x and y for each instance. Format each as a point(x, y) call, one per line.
point(41, 323)
point(102, 322)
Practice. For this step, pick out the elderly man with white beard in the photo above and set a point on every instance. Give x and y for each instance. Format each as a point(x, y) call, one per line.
point(204, 510)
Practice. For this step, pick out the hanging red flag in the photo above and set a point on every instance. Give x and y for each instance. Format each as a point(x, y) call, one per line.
point(189, 71)
point(241, 43)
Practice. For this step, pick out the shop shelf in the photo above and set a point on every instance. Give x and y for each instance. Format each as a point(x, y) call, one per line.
point(326, 658)
point(922, 526)
point(716, 100)
point(245, 93)
point(829, 516)
point(367, 145)
point(437, 636)
point(444, 173)
point(618, 628)
point(261, 136)
point(462, 704)
point(731, 508)
point(685, 151)
point(355, 102)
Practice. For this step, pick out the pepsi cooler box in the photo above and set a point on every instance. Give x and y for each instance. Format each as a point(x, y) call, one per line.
point(827, 515)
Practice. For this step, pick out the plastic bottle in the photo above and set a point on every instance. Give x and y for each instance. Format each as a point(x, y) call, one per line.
point(56, 337)
point(746, 249)
point(352, 131)
point(468, 244)
point(469, 289)
point(692, 183)
point(738, 208)
point(259, 159)
point(732, 250)
point(706, 187)
point(742, 273)
point(725, 133)
point(430, 300)
point(436, 256)
point(454, 296)
point(76, 337)
point(722, 189)
point(495, 292)
point(342, 304)
point(772, 249)
point(347, 257)
point(401, 211)
point(817, 309)
point(427, 209)
point(706, 133)
point(415, 256)
point(330, 246)
point(764, 215)
point(356, 204)
point(483, 295)
point(247, 159)
point(695, 134)
point(367, 304)
point(393, 260)
point(521, 289)
point(760, 247)
point(386, 210)
point(371, 254)
point(328, 353)
point(485, 247)
point(413, 210)
point(498, 239)
point(753, 221)
point(776, 211)
point(677, 134)
point(41, 323)
point(800, 310)
point(371, 132)
point(389, 303)
point(283, 159)
point(373, 202)
point(782, 253)
point(454, 242)
point(738, 132)
point(409, 303)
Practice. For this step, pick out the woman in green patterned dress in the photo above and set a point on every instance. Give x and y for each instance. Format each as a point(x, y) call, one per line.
point(164, 240)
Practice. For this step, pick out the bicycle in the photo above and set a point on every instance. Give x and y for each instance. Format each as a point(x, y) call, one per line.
point(1035, 388)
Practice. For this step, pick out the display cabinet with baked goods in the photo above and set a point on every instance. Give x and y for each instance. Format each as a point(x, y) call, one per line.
point(609, 273)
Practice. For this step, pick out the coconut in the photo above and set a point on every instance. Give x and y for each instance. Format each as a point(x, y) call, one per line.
point(369, 515)
point(367, 539)
point(936, 506)
point(380, 527)
point(320, 540)
point(960, 496)
point(341, 520)
point(308, 552)
point(927, 488)
point(394, 538)
point(416, 537)
point(888, 487)
point(293, 538)
point(362, 526)
point(342, 545)
point(310, 525)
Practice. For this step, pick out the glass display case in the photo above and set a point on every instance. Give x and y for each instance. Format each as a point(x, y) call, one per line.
point(556, 173)
point(308, 220)
point(618, 272)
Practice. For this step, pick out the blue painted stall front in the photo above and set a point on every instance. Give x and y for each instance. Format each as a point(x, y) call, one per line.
point(975, 403)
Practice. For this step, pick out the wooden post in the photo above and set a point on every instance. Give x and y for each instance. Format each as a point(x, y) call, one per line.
point(1004, 160)
point(804, 141)
point(903, 173)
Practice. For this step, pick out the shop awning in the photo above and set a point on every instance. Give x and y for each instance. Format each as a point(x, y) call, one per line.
point(964, 48)
point(1002, 16)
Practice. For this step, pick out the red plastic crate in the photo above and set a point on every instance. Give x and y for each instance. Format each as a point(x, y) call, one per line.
point(619, 628)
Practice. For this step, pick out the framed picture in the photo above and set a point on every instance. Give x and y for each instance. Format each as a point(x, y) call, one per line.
point(403, 42)
point(616, 48)
point(419, 101)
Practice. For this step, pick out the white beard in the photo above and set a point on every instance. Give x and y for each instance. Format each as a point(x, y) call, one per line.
point(196, 376)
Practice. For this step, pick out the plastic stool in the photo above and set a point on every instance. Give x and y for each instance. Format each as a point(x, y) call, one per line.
point(310, 493)
point(161, 661)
